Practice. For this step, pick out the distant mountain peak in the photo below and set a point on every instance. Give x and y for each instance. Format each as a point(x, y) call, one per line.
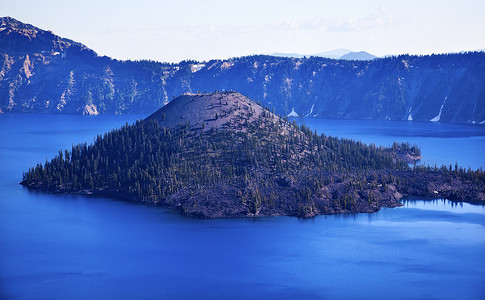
point(333, 54)
point(360, 55)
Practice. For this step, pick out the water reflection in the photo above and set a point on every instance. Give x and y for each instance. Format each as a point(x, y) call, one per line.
point(444, 205)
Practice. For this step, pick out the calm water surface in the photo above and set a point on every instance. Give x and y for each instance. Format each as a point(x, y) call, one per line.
point(440, 143)
point(74, 247)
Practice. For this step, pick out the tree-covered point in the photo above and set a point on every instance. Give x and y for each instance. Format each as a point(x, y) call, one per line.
point(271, 167)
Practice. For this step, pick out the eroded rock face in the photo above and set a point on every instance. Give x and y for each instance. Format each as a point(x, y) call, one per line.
point(41, 72)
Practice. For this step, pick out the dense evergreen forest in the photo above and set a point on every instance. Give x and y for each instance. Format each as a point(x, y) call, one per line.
point(268, 167)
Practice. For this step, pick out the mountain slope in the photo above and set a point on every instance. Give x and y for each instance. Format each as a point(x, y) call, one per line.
point(247, 162)
point(219, 110)
point(42, 73)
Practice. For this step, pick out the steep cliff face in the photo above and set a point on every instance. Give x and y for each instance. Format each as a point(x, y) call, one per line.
point(448, 88)
point(41, 72)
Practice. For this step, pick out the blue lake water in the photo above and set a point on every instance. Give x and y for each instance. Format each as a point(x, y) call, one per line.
point(74, 247)
point(440, 143)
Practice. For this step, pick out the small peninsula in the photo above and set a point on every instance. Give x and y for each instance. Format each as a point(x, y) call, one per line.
point(223, 155)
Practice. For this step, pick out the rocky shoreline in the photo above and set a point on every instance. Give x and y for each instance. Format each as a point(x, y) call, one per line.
point(224, 201)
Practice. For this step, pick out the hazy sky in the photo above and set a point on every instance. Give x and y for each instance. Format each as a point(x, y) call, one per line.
point(189, 29)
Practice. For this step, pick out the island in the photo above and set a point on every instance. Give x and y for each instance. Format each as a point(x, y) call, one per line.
point(223, 155)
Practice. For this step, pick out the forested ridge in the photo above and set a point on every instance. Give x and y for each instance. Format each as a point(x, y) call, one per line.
point(264, 167)
point(44, 73)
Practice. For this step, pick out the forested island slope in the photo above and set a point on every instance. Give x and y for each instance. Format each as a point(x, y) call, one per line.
point(44, 73)
point(222, 155)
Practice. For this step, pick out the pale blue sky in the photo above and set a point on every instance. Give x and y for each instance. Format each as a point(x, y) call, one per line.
point(188, 29)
